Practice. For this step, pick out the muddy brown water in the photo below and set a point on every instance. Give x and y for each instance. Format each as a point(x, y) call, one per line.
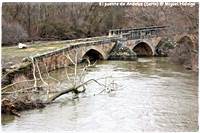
point(152, 95)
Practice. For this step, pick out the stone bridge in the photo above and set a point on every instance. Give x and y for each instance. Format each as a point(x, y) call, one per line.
point(143, 41)
point(98, 49)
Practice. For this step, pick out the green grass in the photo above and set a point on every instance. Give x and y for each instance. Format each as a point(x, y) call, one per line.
point(15, 55)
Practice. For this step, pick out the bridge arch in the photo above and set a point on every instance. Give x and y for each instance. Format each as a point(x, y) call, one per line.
point(143, 48)
point(93, 54)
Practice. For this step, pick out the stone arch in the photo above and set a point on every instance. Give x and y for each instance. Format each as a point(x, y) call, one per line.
point(93, 54)
point(143, 49)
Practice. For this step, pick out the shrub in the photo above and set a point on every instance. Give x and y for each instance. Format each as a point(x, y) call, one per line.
point(13, 33)
point(52, 30)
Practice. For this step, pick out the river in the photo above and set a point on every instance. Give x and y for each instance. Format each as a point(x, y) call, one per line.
point(151, 95)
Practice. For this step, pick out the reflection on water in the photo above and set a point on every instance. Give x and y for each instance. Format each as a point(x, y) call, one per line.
point(153, 95)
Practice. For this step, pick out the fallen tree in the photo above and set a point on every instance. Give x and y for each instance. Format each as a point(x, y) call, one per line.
point(73, 89)
point(14, 107)
point(20, 99)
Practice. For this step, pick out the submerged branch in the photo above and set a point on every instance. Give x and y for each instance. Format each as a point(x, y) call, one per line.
point(73, 89)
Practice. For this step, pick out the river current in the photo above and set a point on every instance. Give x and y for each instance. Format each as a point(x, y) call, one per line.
point(150, 94)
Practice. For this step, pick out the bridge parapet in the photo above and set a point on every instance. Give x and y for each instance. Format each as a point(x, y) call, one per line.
point(138, 33)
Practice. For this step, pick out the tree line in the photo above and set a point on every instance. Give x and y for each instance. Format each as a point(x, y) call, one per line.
point(59, 21)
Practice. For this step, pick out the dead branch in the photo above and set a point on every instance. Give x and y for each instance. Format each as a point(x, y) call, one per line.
point(70, 59)
point(22, 90)
point(10, 85)
point(75, 70)
point(73, 89)
point(34, 76)
point(66, 72)
point(40, 73)
point(49, 74)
